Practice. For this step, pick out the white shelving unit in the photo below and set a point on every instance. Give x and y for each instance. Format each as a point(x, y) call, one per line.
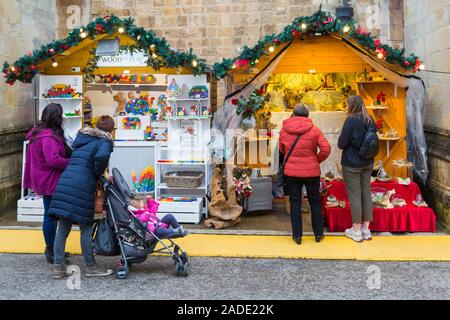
point(188, 138)
point(184, 212)
point(30, 208)
point(44, 83)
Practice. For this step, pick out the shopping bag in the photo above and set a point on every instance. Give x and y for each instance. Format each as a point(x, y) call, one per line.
point(105, 242)
point(99, 198)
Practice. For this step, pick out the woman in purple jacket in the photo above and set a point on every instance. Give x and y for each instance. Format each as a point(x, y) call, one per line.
point(47, 157)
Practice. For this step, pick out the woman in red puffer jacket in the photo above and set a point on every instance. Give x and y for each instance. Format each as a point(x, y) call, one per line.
point(303, 168)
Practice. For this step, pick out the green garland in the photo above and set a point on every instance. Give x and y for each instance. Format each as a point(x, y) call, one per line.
point(320, 23)
point(25, 68)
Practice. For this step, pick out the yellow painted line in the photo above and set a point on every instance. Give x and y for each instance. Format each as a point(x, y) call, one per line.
point(393, 248)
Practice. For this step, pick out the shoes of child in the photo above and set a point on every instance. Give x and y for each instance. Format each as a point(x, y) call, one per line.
point(180, 232)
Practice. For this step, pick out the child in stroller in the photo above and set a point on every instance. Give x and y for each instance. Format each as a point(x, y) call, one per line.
point(135, 240)
point(145, 210)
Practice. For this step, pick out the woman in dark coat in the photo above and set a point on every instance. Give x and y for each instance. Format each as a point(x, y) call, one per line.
point(73, 200)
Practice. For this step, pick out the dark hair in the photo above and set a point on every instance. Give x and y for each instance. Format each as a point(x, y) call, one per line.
point(51, 118)
point(355, 106)
point(105, 123)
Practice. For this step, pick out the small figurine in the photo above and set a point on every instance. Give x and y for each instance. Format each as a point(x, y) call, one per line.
point(173, 90)
point(194, 111)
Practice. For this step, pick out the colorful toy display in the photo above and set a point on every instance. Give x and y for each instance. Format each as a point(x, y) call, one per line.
point(126, 79)
point(62, 91)
point(198, 92)
point(75, 113)
point(138, 106)
point(177, 199)
point(131, 123)
point(146, 182)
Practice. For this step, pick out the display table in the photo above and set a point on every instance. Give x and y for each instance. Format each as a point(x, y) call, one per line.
point(406, 219)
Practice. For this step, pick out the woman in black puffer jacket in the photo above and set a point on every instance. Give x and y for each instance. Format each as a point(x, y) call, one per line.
point(73, 200)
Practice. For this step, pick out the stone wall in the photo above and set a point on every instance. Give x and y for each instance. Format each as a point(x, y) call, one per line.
point(24, 26)
point(427, 33)
point(216, 29)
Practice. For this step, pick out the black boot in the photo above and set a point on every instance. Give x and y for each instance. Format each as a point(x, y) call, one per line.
point(49, 254)
point(297, 240)
point(319, 238)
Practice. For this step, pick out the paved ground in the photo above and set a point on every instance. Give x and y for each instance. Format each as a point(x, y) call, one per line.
point(28, 277)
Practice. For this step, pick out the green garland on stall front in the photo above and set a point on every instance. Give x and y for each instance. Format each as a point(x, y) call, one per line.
point(320, 23)
point(25, 68)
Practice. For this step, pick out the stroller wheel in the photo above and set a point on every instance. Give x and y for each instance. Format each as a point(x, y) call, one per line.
point(121, 272)
point(184, 257)
point(182, 269)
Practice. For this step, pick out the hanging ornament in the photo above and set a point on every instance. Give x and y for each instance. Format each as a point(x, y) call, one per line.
point(51, 51)
point(327, 21)
point(377, 43)
point(276, 41)
point(295, 33)
point(99, 28)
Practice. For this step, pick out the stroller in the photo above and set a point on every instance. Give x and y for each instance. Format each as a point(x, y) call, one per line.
point(134, 240)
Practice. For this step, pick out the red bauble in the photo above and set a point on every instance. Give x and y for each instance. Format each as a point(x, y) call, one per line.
point(377, 43)
point(276, 41)
point(51, 51)
point(64, 47)
point(33, 68)
point(261, 91)
point(406, 63)
point(234, 101)
point(99, 28)
point(295, 33)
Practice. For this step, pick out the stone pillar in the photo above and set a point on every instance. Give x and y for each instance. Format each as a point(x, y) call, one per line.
point(427, 34)
point(24, 26)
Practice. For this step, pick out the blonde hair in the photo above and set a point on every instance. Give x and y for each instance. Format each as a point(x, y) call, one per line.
point(355, 106)
point(135, 202)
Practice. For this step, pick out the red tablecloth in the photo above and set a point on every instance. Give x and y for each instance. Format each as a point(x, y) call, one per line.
point(405, 219)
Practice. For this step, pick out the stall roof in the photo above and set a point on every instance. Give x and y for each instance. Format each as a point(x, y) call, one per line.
point(319, 24)
point(132, 38)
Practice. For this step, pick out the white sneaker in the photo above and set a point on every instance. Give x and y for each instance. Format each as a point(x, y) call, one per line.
point(366, 234)
point(354, 235)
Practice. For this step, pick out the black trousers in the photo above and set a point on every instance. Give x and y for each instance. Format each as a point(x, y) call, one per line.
point(294, 188)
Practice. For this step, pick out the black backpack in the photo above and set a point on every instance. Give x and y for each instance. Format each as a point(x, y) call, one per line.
point(370, 145)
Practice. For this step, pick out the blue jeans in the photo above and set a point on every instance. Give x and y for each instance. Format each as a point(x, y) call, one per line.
point(49, 225)
point(171, 222)
point(64, 227)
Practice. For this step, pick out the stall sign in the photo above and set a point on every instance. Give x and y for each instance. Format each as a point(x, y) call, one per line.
point(124, 59)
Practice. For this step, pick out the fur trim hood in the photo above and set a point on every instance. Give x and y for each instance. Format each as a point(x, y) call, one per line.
point(97, 133)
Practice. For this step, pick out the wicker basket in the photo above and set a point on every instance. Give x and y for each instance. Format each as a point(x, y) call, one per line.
point(184, 179)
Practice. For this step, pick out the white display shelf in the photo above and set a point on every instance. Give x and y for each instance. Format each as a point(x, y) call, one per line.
point(125, 84)
point(72, 117)
point(378, 107)
point(163, 185)
point(178, 100)
point(182, 163)
point(188, 118)
point(72, 99)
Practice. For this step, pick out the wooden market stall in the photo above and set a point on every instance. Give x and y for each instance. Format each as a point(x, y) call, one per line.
point(112, 67)
point(320, 61)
